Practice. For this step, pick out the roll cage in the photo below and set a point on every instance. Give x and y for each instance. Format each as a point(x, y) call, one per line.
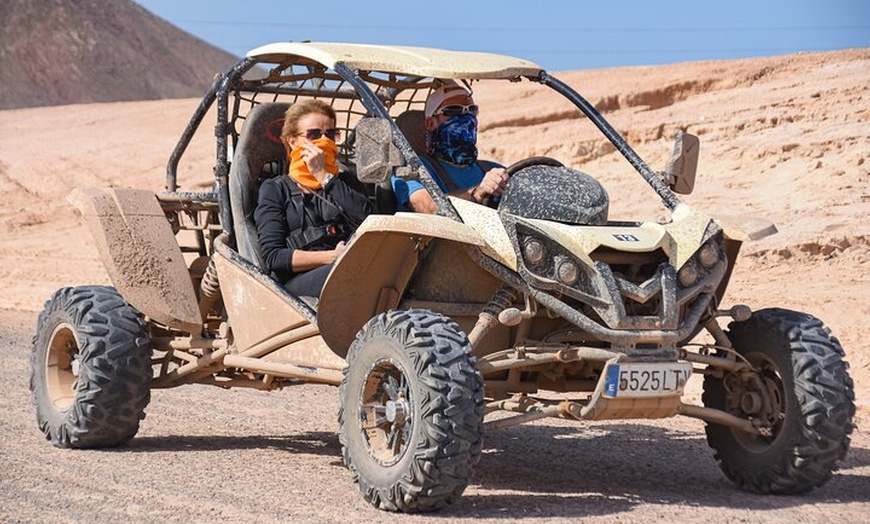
point(358, 81)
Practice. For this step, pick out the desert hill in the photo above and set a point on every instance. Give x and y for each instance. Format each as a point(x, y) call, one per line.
point(785, 138)
point(77, 51)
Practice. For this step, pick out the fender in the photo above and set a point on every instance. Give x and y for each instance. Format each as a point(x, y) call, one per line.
point(140, 253)
point(737, 230)
point(746, 228)
point(371, 275)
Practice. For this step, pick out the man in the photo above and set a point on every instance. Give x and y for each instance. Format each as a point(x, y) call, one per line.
point(451, 147)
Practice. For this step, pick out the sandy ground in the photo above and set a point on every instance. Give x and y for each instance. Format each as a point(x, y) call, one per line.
point(785, 138)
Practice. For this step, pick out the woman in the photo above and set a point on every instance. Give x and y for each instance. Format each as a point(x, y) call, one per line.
point(304, 218)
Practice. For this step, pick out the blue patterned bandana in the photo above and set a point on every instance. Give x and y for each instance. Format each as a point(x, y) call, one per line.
point(455, 140)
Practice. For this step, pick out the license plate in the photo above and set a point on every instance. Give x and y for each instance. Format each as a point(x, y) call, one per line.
point(638, 379)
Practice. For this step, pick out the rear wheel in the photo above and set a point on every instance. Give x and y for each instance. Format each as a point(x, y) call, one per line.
point(412, 411)
point(800, 392)
point(90, 368)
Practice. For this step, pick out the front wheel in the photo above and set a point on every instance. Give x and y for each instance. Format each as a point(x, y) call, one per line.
point(412, 411)
point(799, 392)
point(90, 368)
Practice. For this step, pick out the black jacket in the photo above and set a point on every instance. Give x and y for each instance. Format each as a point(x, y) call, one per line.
point(288, 219)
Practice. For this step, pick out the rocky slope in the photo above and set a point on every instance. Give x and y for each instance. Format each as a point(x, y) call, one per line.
point(77, 51)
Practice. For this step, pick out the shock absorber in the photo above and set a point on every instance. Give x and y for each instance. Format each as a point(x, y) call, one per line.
point(209, 290)
point(488, 318)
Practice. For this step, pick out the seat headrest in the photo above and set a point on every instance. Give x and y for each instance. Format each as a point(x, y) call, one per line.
point(412, 123)
point(260, 139)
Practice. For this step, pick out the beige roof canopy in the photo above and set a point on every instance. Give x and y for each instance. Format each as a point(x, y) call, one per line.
point(419, 61)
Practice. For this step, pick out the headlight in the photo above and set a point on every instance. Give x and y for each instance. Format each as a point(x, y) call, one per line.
point(533, 250)
point(548, 264)
point(567, 271)
point(709, 254)
point(688, 275)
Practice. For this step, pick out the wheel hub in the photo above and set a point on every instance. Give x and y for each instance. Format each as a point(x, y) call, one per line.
point(750, 402)
point(397, 411)
point(386, 412)
point(62, 366)
point(757, 395)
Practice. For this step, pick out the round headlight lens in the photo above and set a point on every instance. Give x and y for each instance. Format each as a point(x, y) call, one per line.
point(567, 271)
point(533, 250)
point(709, 254)
point(688, 275)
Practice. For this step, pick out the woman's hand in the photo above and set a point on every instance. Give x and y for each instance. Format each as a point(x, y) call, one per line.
point(314, 158)
point(339, 248)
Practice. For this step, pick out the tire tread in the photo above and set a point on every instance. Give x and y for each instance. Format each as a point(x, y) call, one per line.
point(451, 393)
point(818, 438)
point(115, 378)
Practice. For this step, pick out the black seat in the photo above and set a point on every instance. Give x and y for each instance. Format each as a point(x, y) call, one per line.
point(412, 123)
point(259, 145)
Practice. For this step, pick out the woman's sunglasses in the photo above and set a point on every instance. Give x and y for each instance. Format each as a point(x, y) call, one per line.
point(456, 110)
point(314, 134)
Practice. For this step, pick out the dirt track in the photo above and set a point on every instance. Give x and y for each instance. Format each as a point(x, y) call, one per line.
point(207, 455)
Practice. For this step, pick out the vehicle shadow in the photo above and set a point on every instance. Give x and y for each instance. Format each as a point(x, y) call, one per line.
point(604, 469)
point(545, 471)
point(312, 443)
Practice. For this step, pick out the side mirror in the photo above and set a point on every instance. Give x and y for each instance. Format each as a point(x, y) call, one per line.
point(376, 154)
point(679, 173)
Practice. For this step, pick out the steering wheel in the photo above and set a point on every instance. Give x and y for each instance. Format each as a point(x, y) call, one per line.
point(520, 165)
point(532, 161)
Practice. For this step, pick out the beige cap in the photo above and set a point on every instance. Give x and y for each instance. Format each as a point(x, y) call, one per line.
point(439, 95)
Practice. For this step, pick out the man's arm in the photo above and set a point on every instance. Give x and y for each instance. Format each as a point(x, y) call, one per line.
point(420, 202)
point(493, 183)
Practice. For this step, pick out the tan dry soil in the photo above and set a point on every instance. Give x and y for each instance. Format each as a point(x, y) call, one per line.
point(785, 138)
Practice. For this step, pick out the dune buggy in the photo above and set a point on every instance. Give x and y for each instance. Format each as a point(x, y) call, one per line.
point(436, 328)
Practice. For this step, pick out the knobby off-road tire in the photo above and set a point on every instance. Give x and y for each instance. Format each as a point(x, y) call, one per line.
point(801, 367)
point(90, 368)
point(412, 411)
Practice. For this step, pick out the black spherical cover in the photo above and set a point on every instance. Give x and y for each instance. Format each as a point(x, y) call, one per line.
point(560, 194)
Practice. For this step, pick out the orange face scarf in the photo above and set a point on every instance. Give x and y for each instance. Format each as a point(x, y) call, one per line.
point(299, 170)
